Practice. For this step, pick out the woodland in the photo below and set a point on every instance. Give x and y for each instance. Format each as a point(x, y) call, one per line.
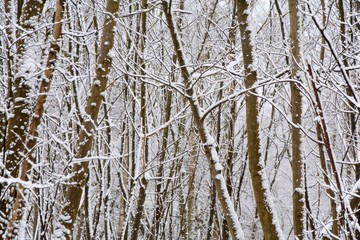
point(180, 119)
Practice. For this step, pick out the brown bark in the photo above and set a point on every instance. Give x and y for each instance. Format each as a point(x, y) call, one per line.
point(74, 191)
point(15, 141)
point(299, 212)
point(327, 143)
point(38, 112)
point(160, 172)
point(143, 118)
point(30, 12)
point(282, 28)
point(17, 99)
point(269, 224)
point(351, 115)
point(123, 179)
point(343, 210)
point(209, 147)
point(326, 173)
point(2, 135)
point(139, 209)
point(191, 190)
point(125, 183)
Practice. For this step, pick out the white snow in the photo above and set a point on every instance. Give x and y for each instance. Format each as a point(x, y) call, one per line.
point(317, 119)
point(112, 53)
point(230, 210)
point(218, 167)
point(97, 82)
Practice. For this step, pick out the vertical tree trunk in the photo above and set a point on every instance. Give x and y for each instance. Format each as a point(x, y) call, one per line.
point(187, 213)
point(123, 178)
point(299, 211)
point(143, 182)
point(264, 203)
point(351, 115)
point(73, 192)
point(232, 121)
point(2, 137)
point(15, 141)
point(344, 206)
point(125, 183)
point(160, 172)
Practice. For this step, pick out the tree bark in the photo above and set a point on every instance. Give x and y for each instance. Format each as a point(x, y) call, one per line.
point(74, 191)
point(143, 182)
point(38, 112)
point(264, 204)
point(18, 103)
point(207, 140)
point(326, 173)
point(299, 211)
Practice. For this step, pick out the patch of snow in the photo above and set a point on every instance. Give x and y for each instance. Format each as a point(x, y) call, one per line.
point(112, 53)
point(218, 167)
point(25, 111)
point(317, 119)
point(147, 175)
point(299, 190)
point(97, 82)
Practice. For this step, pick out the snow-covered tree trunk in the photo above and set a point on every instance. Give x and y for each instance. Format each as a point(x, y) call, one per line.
point(264, 203)
point(159, 208)
point(18, 120)
point(19, 204)
point(208, 141)
point(74, 190)
point(298, 173)
point(142, 181)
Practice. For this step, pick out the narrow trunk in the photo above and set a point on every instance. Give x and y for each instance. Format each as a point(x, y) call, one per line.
point(160, 172)
point(208, 141)
point(343, 208)
point(351, 115)
point(326, 173)
point(143, 119)
point(191, 185)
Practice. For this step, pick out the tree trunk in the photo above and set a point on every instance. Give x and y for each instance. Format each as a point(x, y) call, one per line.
point(159, 186)
point(264, 204)
point(143, 182)
point(18, 104)
point(38, 112)
point(326, 173)
point(299, 211)
point(207, 140)
point(73, 192)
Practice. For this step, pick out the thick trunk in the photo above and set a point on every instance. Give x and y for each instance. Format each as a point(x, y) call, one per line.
point(74, 191)
point(38, 112)
point(264, 204)
point(15, 141)
point(299, 212)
